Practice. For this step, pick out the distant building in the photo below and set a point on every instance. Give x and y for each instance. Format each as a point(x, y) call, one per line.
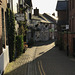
point(41, 29)
point(61, 8)
point(52, 19)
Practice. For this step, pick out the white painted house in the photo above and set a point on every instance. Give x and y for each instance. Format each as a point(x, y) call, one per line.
point(43, 28)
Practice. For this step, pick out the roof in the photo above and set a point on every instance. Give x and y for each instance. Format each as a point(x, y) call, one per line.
point(35, 17)
point(50, 18)
point(43, 19)
point(40, 18)
point(29, 2)
point(61, 5)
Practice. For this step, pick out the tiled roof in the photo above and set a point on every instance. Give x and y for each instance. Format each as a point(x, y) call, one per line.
point(50, 18)
point(35, 17)
point(61, 5)
point(40, 18)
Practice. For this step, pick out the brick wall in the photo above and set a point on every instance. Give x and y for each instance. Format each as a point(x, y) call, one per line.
point(3, 4)
point(72, 15)
point(0, 32)
point(60, 15)
point(72, 24)
point(70, 42)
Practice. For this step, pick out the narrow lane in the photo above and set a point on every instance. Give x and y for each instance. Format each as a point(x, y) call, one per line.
point(42, 59)
point(50, 60)
point(35, 67)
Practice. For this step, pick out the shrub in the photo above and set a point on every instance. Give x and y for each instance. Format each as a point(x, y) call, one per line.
point(19, 45)
point(10, 27)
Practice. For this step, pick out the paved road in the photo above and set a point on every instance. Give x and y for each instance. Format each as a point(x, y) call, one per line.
point(44, 59)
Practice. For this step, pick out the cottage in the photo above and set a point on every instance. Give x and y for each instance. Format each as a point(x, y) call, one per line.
point(42, 29)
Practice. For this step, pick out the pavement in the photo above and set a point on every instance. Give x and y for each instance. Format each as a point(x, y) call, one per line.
point(42, 59)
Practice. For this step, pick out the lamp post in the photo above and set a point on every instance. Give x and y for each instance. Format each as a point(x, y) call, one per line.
point(67, 27)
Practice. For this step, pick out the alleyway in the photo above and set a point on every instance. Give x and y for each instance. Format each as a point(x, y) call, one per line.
point(42, 59)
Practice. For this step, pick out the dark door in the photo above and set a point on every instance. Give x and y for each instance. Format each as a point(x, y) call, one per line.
point(74, 46)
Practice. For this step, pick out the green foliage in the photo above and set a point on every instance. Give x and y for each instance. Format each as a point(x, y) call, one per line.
point(10, 27)
point(21, 30)
point(19, 45)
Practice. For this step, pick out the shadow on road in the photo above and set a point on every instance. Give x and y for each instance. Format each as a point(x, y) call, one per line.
point(40, 43)
point(23, 69)
point(54, 63)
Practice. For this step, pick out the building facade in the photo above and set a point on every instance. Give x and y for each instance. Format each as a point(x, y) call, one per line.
point(4, 50)
point(69, 38)
point(61, 8)
point(3, 6)
point(41, 28)
point(10, 2)
point(72, 26)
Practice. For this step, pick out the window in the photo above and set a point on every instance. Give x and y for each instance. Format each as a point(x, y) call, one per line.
point(72, 4)
point(36, 25)
point(72, 24)
point(30, 16)
point(3, 35)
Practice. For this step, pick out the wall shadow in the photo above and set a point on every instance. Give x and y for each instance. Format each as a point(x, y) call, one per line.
point(40, 43)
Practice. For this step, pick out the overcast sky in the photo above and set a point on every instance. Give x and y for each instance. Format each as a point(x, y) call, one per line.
point(47, 6)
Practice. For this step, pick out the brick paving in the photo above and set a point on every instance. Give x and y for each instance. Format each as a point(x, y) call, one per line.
point(20, 65)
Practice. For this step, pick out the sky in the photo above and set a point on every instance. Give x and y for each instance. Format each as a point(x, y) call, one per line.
point(44, 6)
point(15, 5)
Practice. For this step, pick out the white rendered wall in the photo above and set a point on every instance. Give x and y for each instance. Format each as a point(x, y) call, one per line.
point(4, 59)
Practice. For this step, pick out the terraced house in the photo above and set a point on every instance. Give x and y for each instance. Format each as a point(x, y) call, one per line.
point(4, 56)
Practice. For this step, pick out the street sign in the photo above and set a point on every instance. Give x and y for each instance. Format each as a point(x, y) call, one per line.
point(20, 17)
point(67, 26)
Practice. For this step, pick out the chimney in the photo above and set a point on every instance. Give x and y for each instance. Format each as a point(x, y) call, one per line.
point(36, 12)
point(53, 14)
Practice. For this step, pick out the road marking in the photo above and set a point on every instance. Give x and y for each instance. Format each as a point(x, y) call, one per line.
point(42, 68)
point(42, 72)
point(39, 68)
